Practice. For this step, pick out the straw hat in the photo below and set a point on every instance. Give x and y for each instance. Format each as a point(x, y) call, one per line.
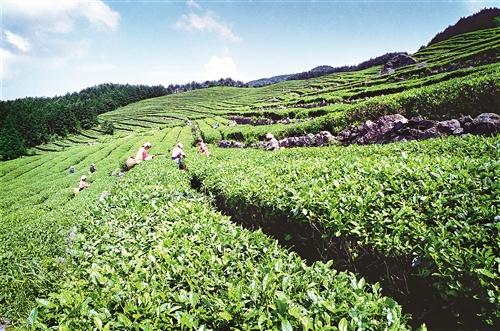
point(83, 177)
point(180, 145)
point(146, 145)
point(269, 136)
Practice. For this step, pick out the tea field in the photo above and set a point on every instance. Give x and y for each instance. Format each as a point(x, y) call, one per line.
point(405, 214)
point(401, 236)
point(455, 77)
point(152, 253)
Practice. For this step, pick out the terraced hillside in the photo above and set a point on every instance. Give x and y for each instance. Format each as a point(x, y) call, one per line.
point(368, 237)
point(455, 73)
point(142, 281)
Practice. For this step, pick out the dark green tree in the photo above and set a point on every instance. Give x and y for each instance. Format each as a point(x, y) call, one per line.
point(11, 142)
point(107, 127)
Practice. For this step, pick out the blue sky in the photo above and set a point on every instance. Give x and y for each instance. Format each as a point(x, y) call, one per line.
point(51, 47)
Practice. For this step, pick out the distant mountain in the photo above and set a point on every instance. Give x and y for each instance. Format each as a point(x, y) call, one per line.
point(484, 19)
point(324, 70)
point(268, 81)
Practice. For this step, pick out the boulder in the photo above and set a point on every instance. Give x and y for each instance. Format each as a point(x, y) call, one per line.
point(259, 144)
point(324, 138)
point(420, 123)
point(397, 61)
point(320, 139)
point(465, 120)
point(486, 123)
point(396, 127)
point(429, 133)
point(450, 127)
point(284, 121)
point(372, 132)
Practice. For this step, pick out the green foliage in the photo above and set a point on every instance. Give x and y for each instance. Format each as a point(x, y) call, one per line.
point(38, 120)
point(11, 142)
point(155, 255)
point(360, 95)
point(451, 99)
point(38, 212)
point(471, 95)
point(436, 199)
point(107, 127)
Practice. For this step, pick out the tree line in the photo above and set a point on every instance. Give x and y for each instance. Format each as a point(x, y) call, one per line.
point(31, 121)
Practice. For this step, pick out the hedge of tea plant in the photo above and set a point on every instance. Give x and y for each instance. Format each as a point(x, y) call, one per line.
point(470, 95)
point(38, 211)
point(154, 255)
point(468, 56)
point(431, 204)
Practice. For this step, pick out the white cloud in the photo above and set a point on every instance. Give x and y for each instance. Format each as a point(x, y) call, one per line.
point(193, 4)
point(220, 67)
point(19, 42)
point(206, 22)
point(60, 15)
point(95, 68)
point(99, 14)
point(39, 31)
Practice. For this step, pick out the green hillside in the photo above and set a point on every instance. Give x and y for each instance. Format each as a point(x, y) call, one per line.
point(379, 237)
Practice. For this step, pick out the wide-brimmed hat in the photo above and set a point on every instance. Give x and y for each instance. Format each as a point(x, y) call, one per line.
point(147, 144)
point(269, 136)
point(180, 145)
point(83, 177)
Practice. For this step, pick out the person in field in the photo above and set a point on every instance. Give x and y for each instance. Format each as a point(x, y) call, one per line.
point(92, 168)
point(142, 153)
point(178, 156)
point(71, 169)
point(202, 147)
point(272, 144)
point(83, 183)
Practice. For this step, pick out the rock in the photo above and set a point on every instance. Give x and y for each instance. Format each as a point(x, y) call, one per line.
point(368, 126)
point(409, 133)
point(464, 120)
point(421, 64)
point(324, 138)
point(387, 71)
point(450, 127)
point(284, 121)
point(429, 133)
point(320, 139)
point(257, 120)
point(230, 144)
point(372, 132)
point(420, 123)
point(259, 144)
point(486, 123)
point(396, 127)
point(397, 61)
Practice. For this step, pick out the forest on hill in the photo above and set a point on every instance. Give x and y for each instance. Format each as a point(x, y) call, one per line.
point(27, 122)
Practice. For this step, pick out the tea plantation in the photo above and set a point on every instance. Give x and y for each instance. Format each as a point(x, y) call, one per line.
point(401, 236)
